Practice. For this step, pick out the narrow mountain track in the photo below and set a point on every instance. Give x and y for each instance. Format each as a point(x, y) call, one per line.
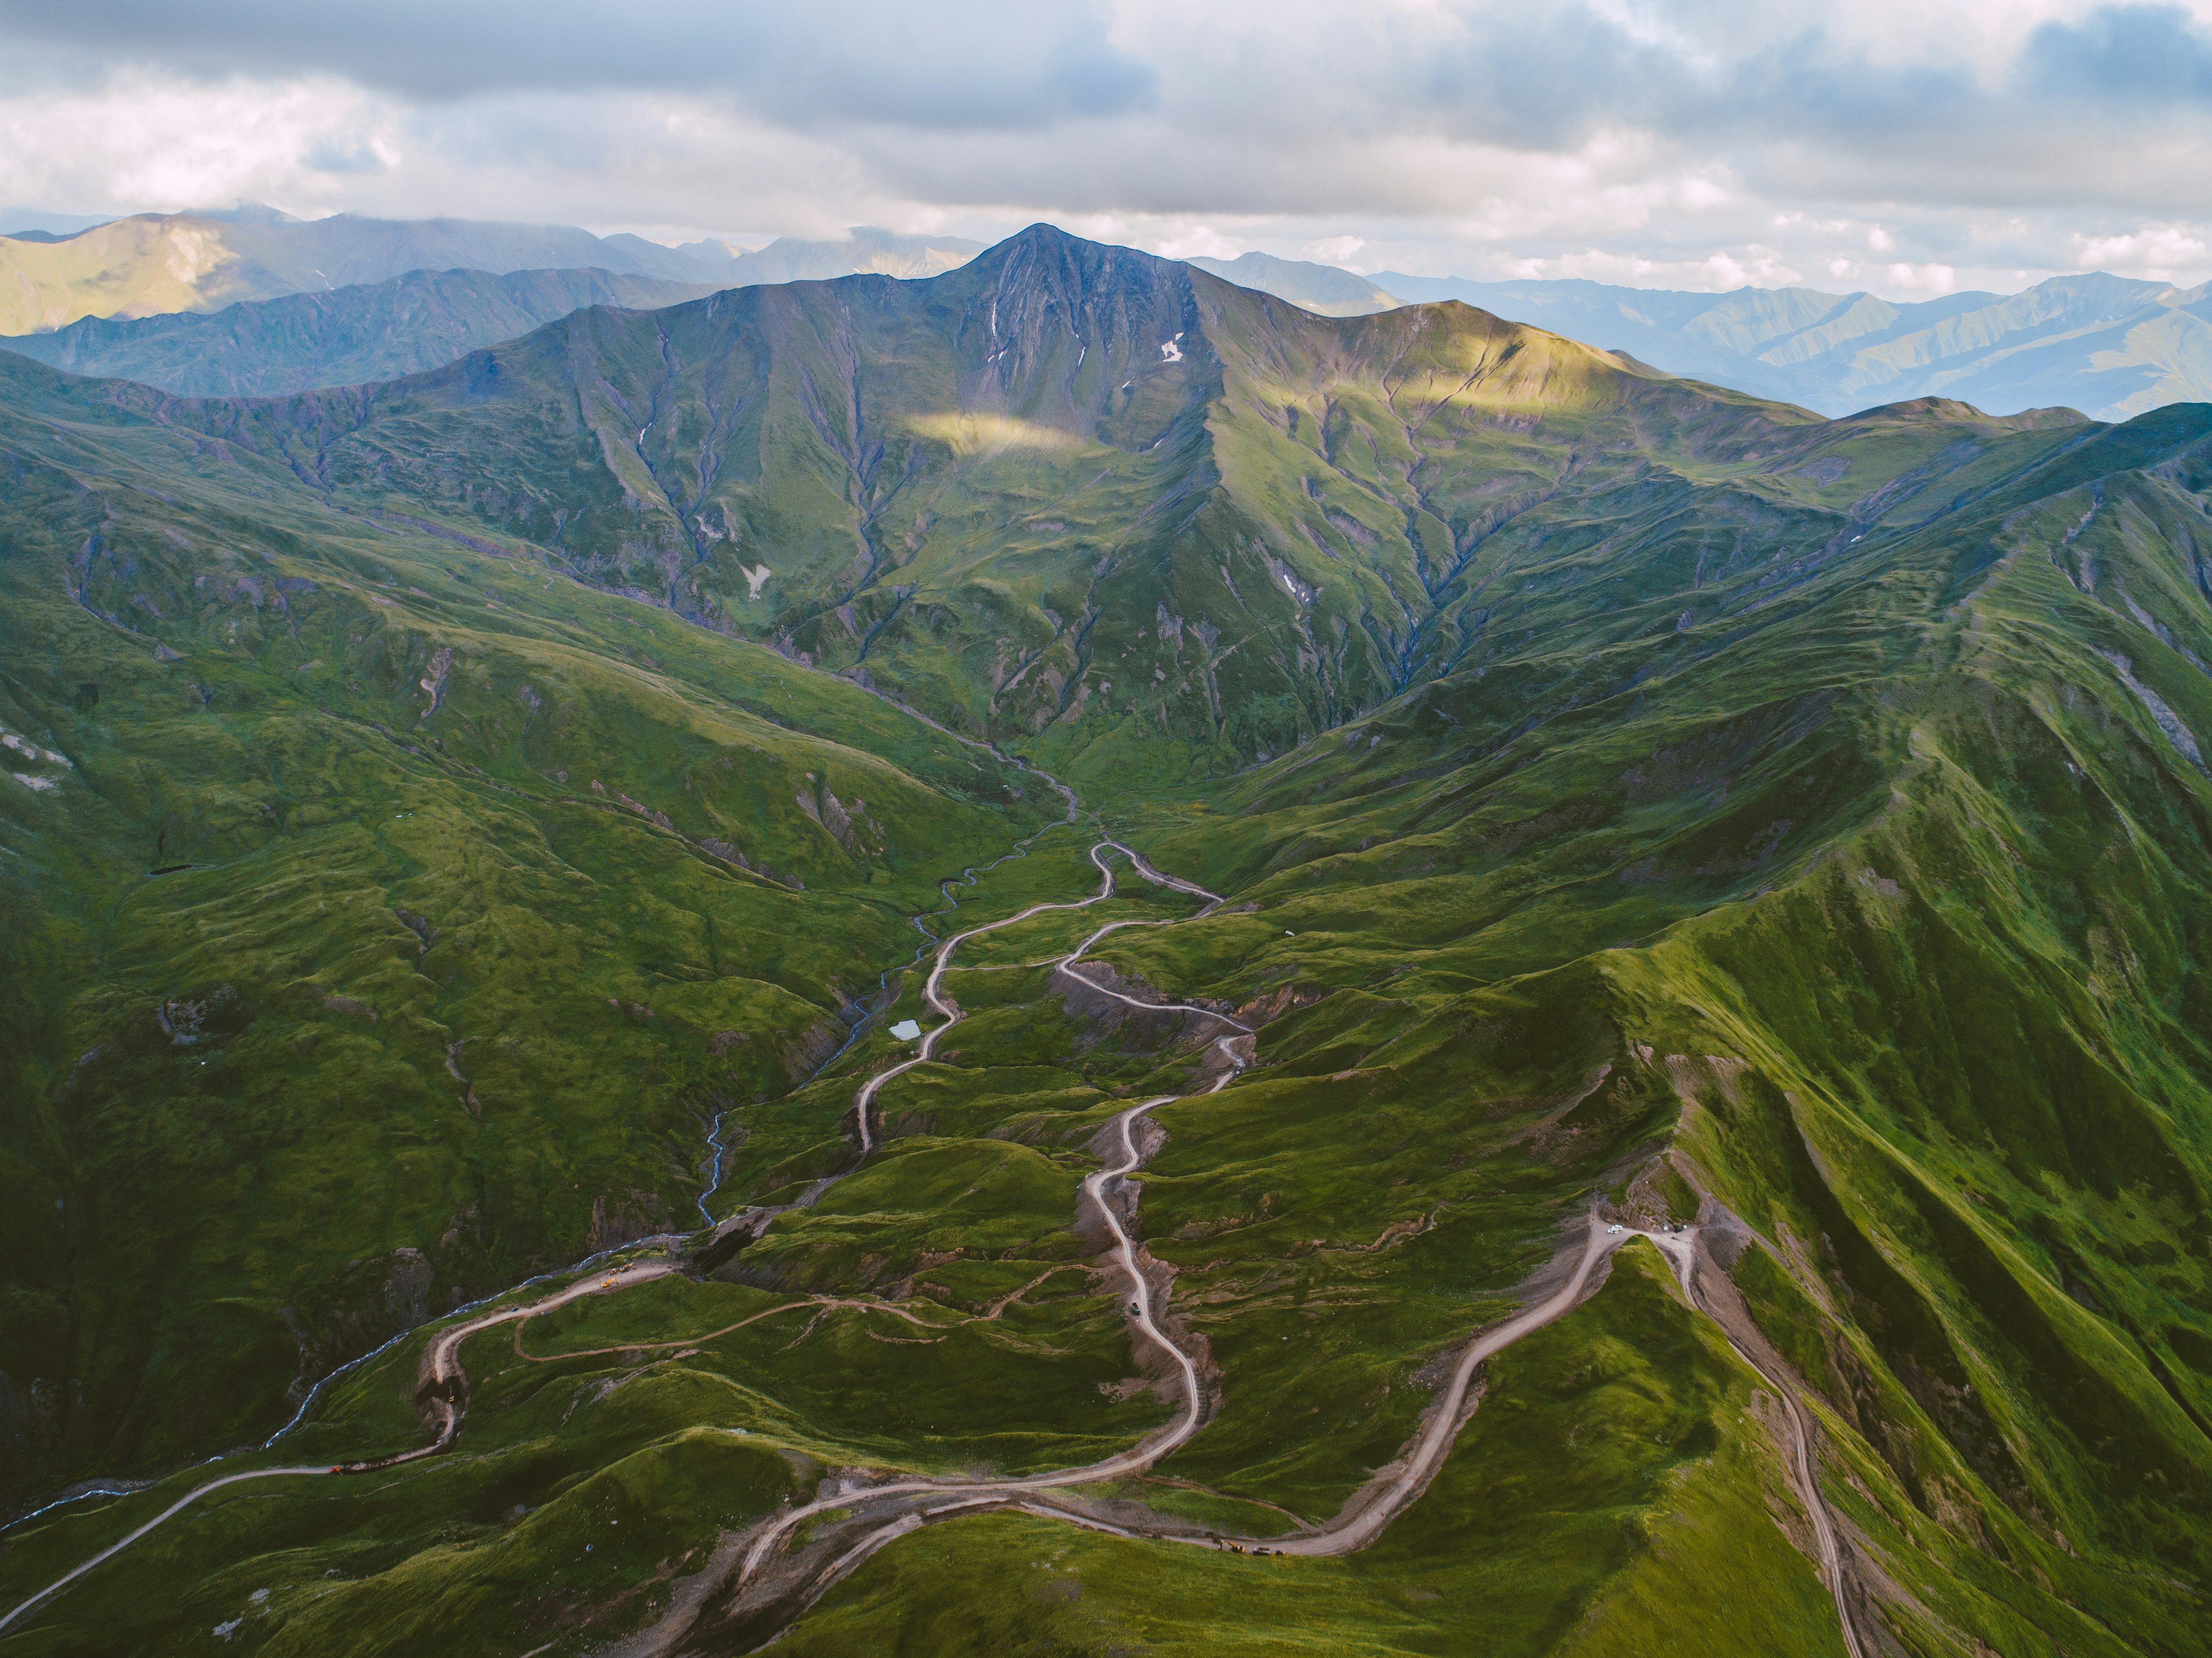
point(131, 1537)
point(1680, 1249)
point(782, 1590)
point(443, 1383)
point(973, 1493)
point(933, 989)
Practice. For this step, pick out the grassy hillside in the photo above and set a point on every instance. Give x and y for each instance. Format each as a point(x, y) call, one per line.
point(387, 920)
point(1092, 500)
point(1704, 812)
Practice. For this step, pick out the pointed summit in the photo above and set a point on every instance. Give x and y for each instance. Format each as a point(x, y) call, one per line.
point(1078, 335)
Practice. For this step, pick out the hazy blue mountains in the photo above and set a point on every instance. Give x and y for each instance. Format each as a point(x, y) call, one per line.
point(369, 331)
point(2106, 345)
point(154, 262)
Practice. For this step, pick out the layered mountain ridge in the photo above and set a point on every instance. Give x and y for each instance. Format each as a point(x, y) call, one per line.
point(341, 338)
point(2110, 345)
point(1331, 505)
point(1325, 289)
point(2106, 344)
point(151, 264)
point(1598, 794)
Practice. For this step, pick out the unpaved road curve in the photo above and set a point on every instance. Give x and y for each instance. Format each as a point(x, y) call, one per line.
point(932, 987)
point(1681, 1250)
point(1358, 1531)
point(441, 1368)
point(442, 1361)
point(972, 1493)
point(129, 1538)
point(1808, 1486)
point(1342, 1537)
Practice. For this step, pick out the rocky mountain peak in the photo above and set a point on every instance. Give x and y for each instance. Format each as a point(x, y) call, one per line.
point(1074, 333)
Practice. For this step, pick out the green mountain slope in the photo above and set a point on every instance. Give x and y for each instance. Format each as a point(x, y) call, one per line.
point(385, 924)
point(1621, 794)
point(343, 336)
point(1082, 494)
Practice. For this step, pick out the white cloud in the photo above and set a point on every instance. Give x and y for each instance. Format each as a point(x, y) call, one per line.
point(1335, 249)
point(1717, 272)
point(1911, 147)
point(1932, 279)
point(145, 140)
point(2156, 252)
point(1199, 242)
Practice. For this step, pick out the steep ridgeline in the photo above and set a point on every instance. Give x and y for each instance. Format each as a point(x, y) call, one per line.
point(1088, 497)
point(1892, 871)
point(383, 922)
point(342, 337)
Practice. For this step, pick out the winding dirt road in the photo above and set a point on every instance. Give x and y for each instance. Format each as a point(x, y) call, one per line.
point(129, 1538)
point(443, 1383)
point(973, 1493)
point(1681, 1250)
point(1355, 1531)
point(932, 987)
point(442, 1378)
point(917, 1502)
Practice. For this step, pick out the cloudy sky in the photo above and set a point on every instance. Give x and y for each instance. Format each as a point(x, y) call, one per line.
point(1911, 147)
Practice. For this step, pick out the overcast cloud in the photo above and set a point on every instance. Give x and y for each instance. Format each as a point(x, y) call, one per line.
point(1912, 148)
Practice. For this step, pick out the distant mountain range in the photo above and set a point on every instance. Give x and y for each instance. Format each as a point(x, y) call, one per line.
point(862, 250)
point(153, 264)
point(2105, 345)
point(369, 331)
point(1329, 290)
point(2108, 346)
